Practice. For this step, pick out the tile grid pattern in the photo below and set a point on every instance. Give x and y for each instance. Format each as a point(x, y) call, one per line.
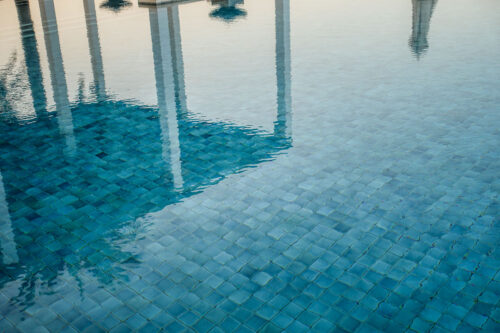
point(304, 245)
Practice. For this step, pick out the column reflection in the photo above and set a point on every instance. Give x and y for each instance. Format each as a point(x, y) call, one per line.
point(169, 76)
point(57, 73)
point(422, 13)
point(31, 57)
point(283, 125)
point(95, 49)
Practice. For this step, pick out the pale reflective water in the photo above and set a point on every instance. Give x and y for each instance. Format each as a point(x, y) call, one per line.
point(247, 166)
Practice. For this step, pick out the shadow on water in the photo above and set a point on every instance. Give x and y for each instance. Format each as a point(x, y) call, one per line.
point(77, 185)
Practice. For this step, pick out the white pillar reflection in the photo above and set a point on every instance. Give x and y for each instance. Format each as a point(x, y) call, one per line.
point(283, 125)
point(164, 22)
point(95, 49)
point(7, 241)
point(422, 13)
point(57, 74)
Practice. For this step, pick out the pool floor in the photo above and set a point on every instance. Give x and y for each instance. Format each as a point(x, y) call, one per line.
point(264, 172)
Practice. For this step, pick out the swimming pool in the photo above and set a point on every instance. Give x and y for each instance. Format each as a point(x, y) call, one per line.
point(250, 166)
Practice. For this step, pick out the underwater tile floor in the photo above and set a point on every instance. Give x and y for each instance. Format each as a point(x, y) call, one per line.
point(359, 236)
point(371, 205)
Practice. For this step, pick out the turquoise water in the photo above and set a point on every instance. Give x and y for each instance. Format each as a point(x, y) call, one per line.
point(250, 166)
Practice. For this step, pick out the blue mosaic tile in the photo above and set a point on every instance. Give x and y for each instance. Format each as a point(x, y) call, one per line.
point(378, 212)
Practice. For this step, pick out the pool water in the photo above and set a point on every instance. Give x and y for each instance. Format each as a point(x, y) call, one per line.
point(219, 166)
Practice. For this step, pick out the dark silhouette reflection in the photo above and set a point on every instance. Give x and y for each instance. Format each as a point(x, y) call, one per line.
point(283, 125)
point(422, 13)
point(31, 56)
point(95, 49)
point(82, 212)
point(116, 5)
point(228, 10)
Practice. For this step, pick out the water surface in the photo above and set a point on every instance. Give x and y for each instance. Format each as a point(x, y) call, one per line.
point(248, 166)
